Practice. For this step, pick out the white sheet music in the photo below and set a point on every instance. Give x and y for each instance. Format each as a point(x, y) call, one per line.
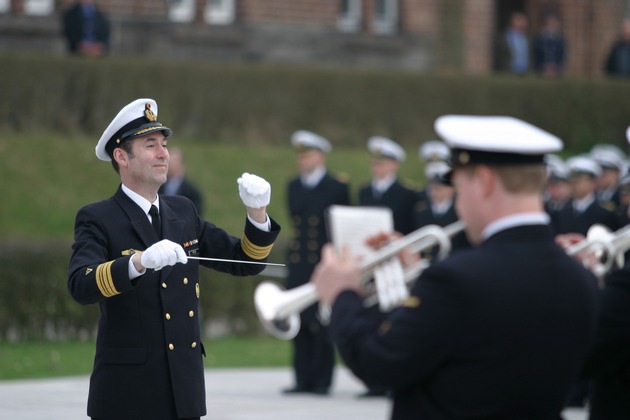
point(351, 226)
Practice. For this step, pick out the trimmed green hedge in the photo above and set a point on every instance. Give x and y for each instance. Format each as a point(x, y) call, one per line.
point(262, 104)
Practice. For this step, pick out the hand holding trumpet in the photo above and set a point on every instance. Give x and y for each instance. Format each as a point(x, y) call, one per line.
point(334, 274)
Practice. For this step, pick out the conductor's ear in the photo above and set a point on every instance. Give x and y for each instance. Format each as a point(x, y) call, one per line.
point(120, 156)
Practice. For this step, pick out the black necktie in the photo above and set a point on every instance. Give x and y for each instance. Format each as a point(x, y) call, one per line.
point(155, 221)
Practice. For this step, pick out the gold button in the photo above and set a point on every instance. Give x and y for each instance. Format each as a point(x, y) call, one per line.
point(194, 344)
point(191, 314)
point(171, 346)
point(185, 280)
point(163, 285)
point(168, 316)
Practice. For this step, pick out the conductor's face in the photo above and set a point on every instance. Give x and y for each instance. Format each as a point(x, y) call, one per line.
point(147, 164)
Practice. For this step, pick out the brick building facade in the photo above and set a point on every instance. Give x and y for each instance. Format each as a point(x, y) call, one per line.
point(424, 35)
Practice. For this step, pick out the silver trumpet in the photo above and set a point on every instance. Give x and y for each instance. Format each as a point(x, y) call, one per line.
point(279, 309)
point(606, 247)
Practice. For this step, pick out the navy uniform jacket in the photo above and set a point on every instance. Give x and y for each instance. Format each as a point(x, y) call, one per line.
point(307, 208)
point(609, 363)
point(148, 361)
point(497, 331)
point(400, 199)
point(568, 220)
point(424, 216)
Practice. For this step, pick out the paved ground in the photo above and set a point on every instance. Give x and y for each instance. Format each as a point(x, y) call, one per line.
point(233, 394)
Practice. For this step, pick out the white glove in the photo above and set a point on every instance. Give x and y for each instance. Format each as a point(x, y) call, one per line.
point(254, 191)
point(163, 253)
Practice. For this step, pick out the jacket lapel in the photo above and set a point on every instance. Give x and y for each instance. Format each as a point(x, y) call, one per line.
point(139, 221)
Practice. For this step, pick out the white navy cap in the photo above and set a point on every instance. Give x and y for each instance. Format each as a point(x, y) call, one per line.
point(303, 139)
point(437, 171)
point(434, 150)
point(382, 147)
point(584, 165)
point(494, 140)
point(557, 169)
point(137, 119)
point(608, 156)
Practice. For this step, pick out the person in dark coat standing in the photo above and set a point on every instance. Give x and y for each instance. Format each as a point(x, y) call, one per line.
point(309, 196)
point(178, 184)
point(86, 29)
point(131, 257)
point(499, 330)
point(385, 190)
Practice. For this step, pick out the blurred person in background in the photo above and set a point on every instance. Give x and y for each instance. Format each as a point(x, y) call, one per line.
point(549, 47)
point(513, 49)
point(385, 189)
point(86, 29)
point(618, 61)
point(309, 195)
point(612, 161)
point(178, 184)
point(584, 210)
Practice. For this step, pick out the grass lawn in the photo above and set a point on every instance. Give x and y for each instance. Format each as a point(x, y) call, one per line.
point(66, 358)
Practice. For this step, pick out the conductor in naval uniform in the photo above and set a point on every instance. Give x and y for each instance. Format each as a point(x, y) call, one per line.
point(498, 330)
point(309, 196)
point(130, 256)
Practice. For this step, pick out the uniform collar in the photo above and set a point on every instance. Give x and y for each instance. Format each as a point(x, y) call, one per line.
point(142, 202)
point(520, 219)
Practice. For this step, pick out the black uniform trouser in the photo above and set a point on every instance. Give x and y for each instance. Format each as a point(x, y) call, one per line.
point(313, 353)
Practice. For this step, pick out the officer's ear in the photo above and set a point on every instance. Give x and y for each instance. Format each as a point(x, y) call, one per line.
point(120, 156)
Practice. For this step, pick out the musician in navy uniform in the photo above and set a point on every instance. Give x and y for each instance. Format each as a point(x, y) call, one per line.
point(608, 365)
point(499, 330)
point(612, 162)
point(439, 207)
point(584, 210)
point(309, 196)
point(385, 190)
point(431, 153)
point(131, 257)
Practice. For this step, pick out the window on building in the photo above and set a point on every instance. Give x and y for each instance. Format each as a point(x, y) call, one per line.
point(385, 20)
point(181, 10)
point(349, 19)
point(39, 7)
point(220, 12)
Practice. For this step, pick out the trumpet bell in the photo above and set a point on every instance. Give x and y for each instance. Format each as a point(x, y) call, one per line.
point(268, 299)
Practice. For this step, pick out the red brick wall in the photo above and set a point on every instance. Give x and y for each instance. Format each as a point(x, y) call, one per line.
point(478, 31)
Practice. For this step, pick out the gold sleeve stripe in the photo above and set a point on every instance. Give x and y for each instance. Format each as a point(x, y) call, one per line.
point(254, 251)
point(104, 279)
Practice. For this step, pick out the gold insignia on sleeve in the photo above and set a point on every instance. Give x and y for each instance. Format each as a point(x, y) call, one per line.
point(129, 251)
point(411, 302)
point(148, 113)
point(384, 327)
point(88, 271)
point(254, 251)
point(104, 280)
